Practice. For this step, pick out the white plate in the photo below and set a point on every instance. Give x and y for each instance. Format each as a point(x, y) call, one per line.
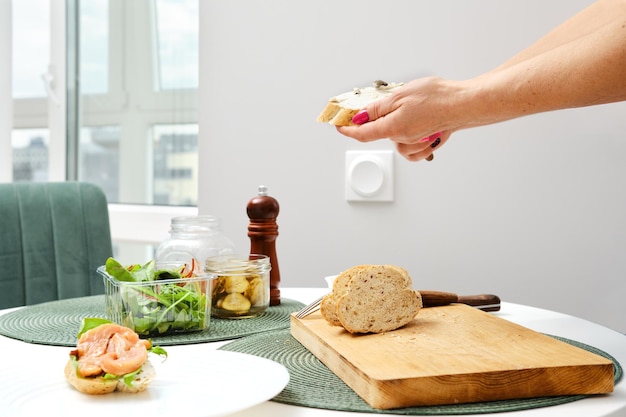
point(330, 280)
point(207, 383)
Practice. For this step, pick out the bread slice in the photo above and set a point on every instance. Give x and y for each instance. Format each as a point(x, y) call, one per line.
point(328, 306)
point(372, 299)
point(340, 109)
point(100, 385)
point(90, 385)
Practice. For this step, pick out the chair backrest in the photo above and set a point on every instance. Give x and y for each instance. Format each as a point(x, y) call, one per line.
point(53, 236)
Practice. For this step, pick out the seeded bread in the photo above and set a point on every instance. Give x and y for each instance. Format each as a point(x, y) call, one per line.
point(372, 299)
point(328, 307)
point(340, 109)
point(99, 385)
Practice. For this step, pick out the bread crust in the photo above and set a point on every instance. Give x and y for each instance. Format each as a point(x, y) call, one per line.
point(100, 386)
point(340, 109)
point(92, 385)
point(372, 299)
point(328, 307)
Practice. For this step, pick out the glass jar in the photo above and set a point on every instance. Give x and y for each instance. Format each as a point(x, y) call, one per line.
point(241, 288)
point(193, 239)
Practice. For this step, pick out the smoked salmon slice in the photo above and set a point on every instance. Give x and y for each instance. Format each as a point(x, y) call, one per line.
point(110, 348)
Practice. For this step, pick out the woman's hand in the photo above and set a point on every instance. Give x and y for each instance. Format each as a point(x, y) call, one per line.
point(414, 118)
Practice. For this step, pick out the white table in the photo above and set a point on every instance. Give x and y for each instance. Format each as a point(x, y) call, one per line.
point(541, 320)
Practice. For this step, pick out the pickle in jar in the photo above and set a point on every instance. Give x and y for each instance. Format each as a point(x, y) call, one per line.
point(236, 302)
point(241, 289)
point(236, 284)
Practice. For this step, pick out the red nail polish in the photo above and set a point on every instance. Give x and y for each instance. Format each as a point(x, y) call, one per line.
point(431, 138)
point(435, 136)
point(361, 117)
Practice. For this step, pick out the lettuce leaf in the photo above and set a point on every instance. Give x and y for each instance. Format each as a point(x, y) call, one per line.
point(132, 273)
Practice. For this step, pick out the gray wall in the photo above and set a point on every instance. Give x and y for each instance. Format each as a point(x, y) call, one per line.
point(532, 210)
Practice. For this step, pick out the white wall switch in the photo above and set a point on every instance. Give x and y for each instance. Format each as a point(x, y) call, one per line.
point(369, 176)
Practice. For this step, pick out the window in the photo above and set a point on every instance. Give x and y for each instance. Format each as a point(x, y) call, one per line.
point(31, 47)
point(94, 46)
point(138, 86)
point(30, 41)
point(175, 150)
point(30, 154)
point(99, 158)
point(134, 126)
point(176, 24)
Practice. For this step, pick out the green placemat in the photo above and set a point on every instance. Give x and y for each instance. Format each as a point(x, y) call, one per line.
point(57, 323)
point(312, 384)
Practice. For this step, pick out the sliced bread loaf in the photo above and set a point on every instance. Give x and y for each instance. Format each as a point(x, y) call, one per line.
point(372, 299)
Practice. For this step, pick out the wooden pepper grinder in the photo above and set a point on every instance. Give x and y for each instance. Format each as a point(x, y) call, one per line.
point(262, 231)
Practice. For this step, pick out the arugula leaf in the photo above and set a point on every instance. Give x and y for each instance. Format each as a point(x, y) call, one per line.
point(130, 377)
point(158, 350)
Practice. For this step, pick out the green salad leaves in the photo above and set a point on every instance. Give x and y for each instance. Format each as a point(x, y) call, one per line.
point(152, 305)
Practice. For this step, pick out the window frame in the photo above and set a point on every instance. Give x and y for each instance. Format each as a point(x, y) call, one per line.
point(135, 222)
point(6, 100)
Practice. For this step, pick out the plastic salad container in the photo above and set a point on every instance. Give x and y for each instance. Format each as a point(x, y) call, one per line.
point(160, 300)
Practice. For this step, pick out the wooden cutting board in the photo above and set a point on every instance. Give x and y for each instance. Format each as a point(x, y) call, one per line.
point(453, 354)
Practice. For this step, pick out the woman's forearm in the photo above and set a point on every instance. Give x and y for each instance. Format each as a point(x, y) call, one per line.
point(586, 22)
point(580, 63)
point(590, 70)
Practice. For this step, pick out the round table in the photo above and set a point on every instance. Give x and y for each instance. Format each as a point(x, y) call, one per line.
point(41, 357)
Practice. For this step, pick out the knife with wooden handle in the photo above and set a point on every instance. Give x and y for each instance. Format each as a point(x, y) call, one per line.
point(485, 302)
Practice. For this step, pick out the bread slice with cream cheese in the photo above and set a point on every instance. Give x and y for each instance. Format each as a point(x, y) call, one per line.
point(340, 109)
point(99, 385)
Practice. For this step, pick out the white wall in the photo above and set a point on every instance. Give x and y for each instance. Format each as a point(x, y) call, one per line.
point(532, 210)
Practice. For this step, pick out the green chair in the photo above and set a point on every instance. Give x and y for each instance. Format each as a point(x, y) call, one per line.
point(53, 236)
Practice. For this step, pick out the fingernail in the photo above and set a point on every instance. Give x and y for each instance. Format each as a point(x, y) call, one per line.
point(361, 117)
point(431, 138)
point(434, 136)
point(435, 143)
